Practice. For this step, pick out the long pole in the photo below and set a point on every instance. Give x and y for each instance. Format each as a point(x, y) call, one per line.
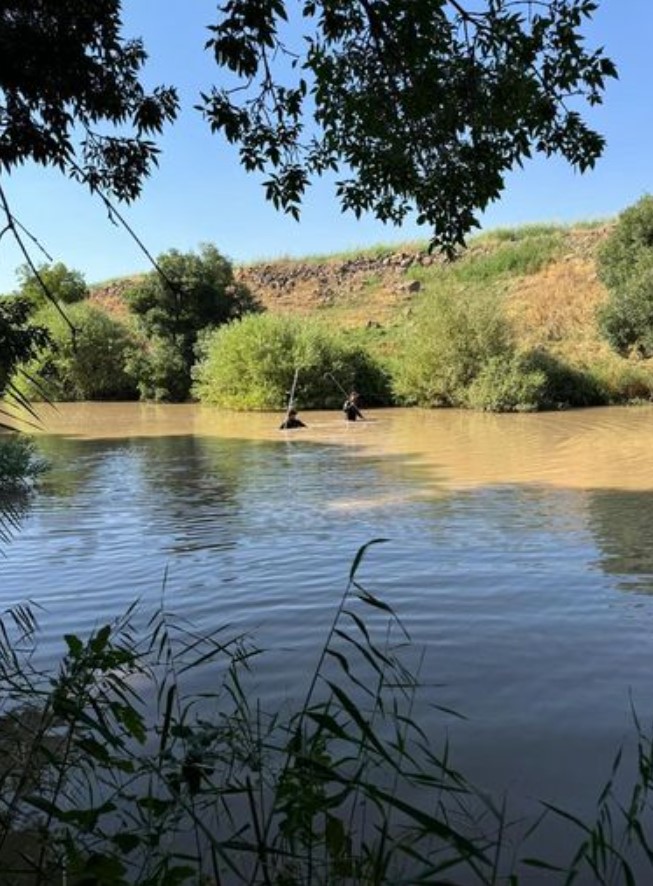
point(335, 380)
point(292, 393)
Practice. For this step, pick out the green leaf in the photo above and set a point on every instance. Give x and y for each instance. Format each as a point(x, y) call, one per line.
point(75, 645)
point(126, 842)
point(361, 553)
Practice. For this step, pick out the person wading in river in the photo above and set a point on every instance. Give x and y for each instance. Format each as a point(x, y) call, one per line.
point(350, 407)
point(291, 421)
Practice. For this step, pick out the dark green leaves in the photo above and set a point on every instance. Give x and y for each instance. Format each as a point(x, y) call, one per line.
point(424, 106)
point(187, 293)
point(67, 69)
point(625, 265)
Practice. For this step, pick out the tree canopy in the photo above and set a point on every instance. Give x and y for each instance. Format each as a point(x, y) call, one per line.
point(66, 74)
point(190, 292)
point(19, 340)
point(418, 106)
point(60, 282)
point(186, 294)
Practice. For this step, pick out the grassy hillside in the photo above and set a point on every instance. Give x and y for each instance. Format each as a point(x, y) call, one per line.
point(378, 285)
point(545, 274)
point(538, 267)
point(542, 278)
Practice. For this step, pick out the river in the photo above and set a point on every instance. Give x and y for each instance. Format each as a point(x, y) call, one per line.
point(518, 556)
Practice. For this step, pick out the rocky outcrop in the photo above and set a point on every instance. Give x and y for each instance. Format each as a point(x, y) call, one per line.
point(110, 296)
point(305, 286)
point(370, 289)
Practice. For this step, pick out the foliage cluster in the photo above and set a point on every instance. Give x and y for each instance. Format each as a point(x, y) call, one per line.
point(626, 267)
point(451, 336)
point(459, 350)
point(86, 362)
point(19, 339)
point(91, 355)
point(250, 364)
point(51, 282)
point(186, 294)
point(20, 466)
point(19, 462)
point(113, 773)
point(70, 81)
point(158, 370)
point(499, 79)
point(622, 381)
point(506, 383)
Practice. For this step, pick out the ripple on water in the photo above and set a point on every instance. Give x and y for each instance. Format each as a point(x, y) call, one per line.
point(518, 557)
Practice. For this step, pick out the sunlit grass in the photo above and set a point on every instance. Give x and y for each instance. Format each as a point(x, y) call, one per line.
point(376, 250)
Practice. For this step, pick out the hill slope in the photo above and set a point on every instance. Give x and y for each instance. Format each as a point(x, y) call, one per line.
point(541, 278)
point(547, 274)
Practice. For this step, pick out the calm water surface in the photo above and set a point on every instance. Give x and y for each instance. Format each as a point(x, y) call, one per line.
point(519, 557)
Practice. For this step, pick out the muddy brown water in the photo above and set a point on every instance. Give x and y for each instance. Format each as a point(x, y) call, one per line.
point(519, 556)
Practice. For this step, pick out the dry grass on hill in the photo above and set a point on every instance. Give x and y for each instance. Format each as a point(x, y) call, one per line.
point(554, 307)
point(110, 295)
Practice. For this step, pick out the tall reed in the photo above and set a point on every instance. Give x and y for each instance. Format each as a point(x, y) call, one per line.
point(115, 771)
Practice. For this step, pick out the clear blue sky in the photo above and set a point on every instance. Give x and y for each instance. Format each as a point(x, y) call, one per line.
point(199, 193)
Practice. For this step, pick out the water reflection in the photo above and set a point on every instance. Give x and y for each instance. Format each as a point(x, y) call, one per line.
point(622, 525)
point(511, 538)
point(14, 506)
point(180, 491)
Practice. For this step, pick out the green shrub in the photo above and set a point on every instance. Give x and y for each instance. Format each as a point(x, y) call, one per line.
point(250, 364)
point(533, 381)
point(630, 242)
point(566, 385)
point(19, 462)
point(507, 383)
point(88, 364)
point(625, 264)
point(626, 319)
point(623, 381)
point(158, 371)
point(445, 346)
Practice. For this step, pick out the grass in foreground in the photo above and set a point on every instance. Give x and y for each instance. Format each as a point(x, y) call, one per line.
point(113, 772)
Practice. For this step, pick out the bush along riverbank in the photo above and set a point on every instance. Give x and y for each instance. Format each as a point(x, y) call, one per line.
point(538, 317)
point(113, 772)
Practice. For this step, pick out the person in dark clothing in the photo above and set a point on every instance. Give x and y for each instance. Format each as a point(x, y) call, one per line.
point(350, 407)
point(291, 421)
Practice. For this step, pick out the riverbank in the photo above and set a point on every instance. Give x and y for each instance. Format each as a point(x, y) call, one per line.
point(512, 325)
